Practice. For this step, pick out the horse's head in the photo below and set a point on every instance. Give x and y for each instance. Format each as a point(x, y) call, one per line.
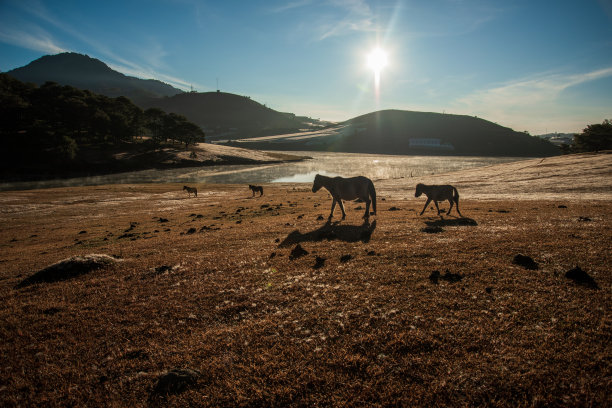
point(316, 186)
point(185, 187)
point(419, 190)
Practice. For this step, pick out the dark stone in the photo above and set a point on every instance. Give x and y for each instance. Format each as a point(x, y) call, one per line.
point(320, 217)
point(297, 252)
point(450, 277)
point(319, 262)
point(136, 355)
point(51, 311)
point(580, 277)
point(526, 262)
point(191, 231)
point(432, 229)
point(346, 258)
point(394, 209)
point(68, 269)
point(161, 269)
point(434, 276)
point(176, 381)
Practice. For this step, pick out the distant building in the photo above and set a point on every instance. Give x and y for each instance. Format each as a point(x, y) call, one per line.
point(429, 143)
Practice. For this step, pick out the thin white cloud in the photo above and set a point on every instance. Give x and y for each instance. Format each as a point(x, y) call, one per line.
point(532, 91)
point(40, 41)
point(529, 102)
point(332, 18)
point(291, 6)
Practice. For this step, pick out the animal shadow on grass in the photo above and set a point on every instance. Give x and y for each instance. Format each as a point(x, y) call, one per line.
point(332, 231)
point(452, 222)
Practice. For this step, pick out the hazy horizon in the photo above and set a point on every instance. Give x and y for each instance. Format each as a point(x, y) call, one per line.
point(543, 67)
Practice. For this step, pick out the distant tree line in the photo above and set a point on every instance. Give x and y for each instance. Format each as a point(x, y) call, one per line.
point(593, 138)
point(53, 122)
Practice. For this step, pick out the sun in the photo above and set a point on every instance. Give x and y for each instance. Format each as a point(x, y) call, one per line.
point(377, 60)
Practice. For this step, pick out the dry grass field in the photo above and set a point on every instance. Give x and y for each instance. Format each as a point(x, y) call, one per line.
point(231, 300)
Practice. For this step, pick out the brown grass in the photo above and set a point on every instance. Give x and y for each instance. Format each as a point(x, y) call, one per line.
point(212, 289)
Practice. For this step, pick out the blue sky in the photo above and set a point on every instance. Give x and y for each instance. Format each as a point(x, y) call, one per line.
point(535, 65)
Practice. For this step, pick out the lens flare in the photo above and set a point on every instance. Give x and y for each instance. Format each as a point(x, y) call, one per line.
point(377, 60)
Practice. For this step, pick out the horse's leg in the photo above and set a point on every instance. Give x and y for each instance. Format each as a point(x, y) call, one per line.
point(331, 214)
point(437, 208)
point(426, 204)
point(457, 208)
point(367, 213)
point(450, 200)
point(342, 208)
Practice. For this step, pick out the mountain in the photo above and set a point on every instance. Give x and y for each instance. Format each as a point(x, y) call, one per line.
point(221, 115)
point(84, 72)
point(408, 132)
point(228, 116)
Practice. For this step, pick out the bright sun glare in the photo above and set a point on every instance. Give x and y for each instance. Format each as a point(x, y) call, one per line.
point(377, 60)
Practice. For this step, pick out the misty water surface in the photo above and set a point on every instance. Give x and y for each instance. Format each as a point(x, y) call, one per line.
point(374, 166)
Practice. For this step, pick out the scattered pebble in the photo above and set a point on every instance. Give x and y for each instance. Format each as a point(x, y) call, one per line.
point(319, 262)
point(435, 276)
point(346, 258)
point(432, 229)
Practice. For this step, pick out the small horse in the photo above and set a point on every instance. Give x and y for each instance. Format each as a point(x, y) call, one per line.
point(437, 193)
point(255, 189)
point(191, 190)
point(351, 188)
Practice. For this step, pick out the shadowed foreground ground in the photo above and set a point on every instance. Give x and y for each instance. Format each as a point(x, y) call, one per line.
point(403, 310)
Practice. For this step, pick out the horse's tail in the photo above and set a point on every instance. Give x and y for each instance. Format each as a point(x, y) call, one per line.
point(372, 192)
point(456, 199)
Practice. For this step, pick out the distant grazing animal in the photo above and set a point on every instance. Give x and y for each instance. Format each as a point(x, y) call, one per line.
point(351, 188)
point(191, 190)
point(437, 193)
point(255, 189)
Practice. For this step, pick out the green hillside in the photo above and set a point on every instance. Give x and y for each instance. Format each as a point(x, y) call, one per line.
point(228, 116)
point(406, 132)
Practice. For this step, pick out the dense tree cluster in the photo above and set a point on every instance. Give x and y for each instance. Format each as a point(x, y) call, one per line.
point(53, 122)
point(593, 138)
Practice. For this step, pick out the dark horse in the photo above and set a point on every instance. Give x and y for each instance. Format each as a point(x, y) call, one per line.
point(437, 193)
point(351, 188)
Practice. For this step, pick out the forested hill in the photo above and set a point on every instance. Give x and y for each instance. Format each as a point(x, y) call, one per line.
point(228, 115)
point(84, 72)
point(64, 130)
point(407, 132)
